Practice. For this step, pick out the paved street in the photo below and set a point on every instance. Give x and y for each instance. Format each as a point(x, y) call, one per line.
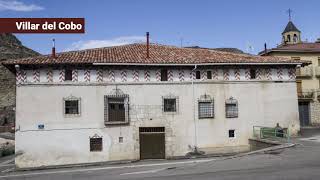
point(300, 162)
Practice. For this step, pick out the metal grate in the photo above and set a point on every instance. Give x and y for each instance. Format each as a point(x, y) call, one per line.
point(95, 144)
point(151, 129)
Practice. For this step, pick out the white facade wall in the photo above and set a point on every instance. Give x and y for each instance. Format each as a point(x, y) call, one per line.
point(65, 140)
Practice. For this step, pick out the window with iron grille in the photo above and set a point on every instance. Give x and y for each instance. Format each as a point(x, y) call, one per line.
point(231, 108)
point(169, 105)
point(71, 106)
point(68, 75)
point(116, 109)
point(205, 107)
point(96, 144)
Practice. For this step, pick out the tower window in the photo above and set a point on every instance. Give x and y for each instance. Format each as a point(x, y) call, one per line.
point(295, 38)
point(288, 38)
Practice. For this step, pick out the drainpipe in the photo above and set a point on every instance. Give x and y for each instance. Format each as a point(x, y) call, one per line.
point(194, 112)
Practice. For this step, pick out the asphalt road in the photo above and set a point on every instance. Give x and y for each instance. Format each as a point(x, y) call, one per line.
point(300, 162)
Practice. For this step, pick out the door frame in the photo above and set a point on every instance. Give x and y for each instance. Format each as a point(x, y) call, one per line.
point(152, 130)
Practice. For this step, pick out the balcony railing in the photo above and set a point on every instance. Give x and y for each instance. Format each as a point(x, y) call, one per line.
point(317, 70)
point(307, 95)
point(304, 72)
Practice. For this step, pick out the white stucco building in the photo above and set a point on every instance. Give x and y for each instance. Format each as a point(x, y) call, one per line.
point(143, 101)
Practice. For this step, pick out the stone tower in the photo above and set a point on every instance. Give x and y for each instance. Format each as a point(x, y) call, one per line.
point(291, 34)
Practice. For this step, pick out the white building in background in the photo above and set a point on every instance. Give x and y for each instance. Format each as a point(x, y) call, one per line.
point(143, 101)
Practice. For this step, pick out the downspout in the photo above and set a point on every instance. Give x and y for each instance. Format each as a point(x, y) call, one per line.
point(194, 111)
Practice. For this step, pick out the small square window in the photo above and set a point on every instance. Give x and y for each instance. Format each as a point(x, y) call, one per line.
point(198, 75)
point(71, 106)
point(252, 73)
point(164, 75)
point(95, 144)
point(231, 133)
point(68, 75)
point(169, 105)
point(120, 139)
point(209, 75)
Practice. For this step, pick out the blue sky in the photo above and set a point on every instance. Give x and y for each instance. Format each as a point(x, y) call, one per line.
point(224, 23)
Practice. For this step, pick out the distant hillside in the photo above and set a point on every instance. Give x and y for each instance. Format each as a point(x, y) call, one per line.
point(10, 48)
point(232, 50)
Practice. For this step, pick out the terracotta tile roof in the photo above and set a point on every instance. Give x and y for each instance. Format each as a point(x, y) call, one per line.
point(300, 47)
point(159, 54)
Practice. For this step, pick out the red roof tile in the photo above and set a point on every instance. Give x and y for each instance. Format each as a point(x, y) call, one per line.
point(300, 47)
point(159, 54)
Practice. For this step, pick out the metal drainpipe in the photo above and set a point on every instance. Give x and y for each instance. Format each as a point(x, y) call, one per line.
point(194, 111)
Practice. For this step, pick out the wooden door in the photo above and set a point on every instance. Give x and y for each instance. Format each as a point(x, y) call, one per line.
point(152, 142)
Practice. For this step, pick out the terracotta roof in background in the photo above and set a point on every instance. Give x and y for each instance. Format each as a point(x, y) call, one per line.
point(299, 47)
point(136, 54)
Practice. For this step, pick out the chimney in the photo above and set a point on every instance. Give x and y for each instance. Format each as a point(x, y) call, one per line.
point(53, 53)
point(148, 55)
point(265, 47)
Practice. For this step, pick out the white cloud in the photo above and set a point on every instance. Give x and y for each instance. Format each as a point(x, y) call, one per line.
point(105, 43)
point(13, 5)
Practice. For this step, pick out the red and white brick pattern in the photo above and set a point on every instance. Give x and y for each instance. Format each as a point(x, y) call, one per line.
point(268, 74)
point(135, 76)
point(61, 75)
point(123, 76)
point(111, 76)
point(158, 75)
point(74, 75)
point(87, 75)
point(280, 73)
point(237, 74)
point(99, 75)
point(170, 75)
point(181, 75)
point(147, 75)
point(226, 74)
point(49, 76)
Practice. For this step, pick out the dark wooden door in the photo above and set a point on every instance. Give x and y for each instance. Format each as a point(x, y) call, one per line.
point(152, 143)
point(304, 113)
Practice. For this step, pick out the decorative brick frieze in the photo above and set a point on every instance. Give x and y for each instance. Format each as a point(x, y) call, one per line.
point(36, 76)
point(135, 75)
point(153, 75)
point(99, 75)
point(87, 75)
point(147, 75)
point(181, 75)
point(61, 75)
point(49, 76)
point(74, 75)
